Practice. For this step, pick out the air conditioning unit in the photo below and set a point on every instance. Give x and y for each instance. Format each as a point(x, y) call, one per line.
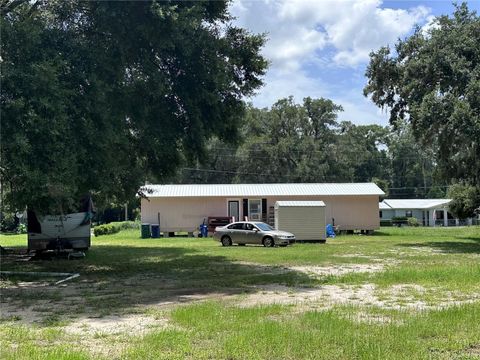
point(255, 217)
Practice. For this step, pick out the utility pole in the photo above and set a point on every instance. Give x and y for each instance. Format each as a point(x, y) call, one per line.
point(424, 180)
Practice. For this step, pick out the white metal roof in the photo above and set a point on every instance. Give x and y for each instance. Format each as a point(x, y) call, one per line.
point(413, 203)
point(248, 190)
point(300, 203)
point(383, 206)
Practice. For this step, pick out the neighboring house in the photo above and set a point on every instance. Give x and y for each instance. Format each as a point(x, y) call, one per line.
point(428, 212)
point(350, 206)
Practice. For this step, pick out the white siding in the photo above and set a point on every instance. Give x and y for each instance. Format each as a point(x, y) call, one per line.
point(181, 214)
point(305, 222)
point(346, 212)
point(187, 213)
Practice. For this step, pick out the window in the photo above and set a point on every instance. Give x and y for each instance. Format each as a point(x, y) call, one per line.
point(255, 209)
point(236, 226)
point(264, 227)
point(408, 213)
point(249, 226)
point(380, 214)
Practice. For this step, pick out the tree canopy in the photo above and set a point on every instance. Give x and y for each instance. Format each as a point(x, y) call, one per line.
point(98, 96)
point(465, 200)
point(292, 142)
point(432, 80)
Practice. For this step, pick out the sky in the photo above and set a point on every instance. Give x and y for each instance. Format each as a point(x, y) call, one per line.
point(320, 48)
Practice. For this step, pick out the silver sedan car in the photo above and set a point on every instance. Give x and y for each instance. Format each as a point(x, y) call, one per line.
point(245, 232)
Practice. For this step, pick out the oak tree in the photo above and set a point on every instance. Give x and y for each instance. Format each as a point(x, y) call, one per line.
point(98, 96)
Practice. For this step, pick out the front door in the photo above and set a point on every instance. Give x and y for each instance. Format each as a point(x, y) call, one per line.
point(234, 209)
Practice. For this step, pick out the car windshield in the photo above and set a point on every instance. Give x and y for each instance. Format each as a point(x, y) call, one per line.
point(264, 227)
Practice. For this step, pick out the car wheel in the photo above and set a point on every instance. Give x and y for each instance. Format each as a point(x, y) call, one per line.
point(268, 242)
point(226, 241)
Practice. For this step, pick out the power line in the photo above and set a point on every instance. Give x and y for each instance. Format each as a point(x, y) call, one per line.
point(301, 152)
point(419, 187)
point(297, 176)
point(235, 172)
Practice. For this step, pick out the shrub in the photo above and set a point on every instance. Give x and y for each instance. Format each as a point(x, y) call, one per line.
point(399, 220)
point(128, 225)
point(105, 229)
point(22, 229)
point(385, 222)
point(8, 223)
point(136, 214)
point(114, 227)
point(411, 221)
point(11, 224)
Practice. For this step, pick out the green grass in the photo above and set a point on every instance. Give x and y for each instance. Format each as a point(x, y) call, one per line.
point(22, 342)
point(213, 330)
point(123, 274)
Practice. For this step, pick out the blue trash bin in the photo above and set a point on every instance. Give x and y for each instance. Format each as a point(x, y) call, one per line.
point(155, 231)
point(203, 230)
point(330, 231)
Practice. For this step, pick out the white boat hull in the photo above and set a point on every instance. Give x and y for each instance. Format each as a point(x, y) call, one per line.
point(70, 231)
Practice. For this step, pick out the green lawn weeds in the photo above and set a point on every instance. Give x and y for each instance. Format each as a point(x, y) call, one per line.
point(403, 293)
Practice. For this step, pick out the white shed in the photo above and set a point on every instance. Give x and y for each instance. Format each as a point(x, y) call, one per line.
point(304, 219)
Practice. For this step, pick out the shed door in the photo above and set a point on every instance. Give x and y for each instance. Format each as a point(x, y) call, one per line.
point(234, 209)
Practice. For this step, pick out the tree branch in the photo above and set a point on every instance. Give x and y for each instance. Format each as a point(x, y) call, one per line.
point(8, 6)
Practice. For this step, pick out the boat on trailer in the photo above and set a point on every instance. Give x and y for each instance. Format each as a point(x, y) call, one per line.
point(60, 232)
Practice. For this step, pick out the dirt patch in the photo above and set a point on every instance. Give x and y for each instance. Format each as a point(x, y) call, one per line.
point(327, 296)
point(101, 315)
point(327, 270)
point(317, 297)
point(401, 289)
point(474, 350)
point(338, 270)
point(371, 318)
point(90, 303)
point(26, 315)
point(355, 255)
point(108, 325)
point(429, 250)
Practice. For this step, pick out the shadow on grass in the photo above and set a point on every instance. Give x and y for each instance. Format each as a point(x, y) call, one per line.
point(472, 246)
point(380, 233)
point(117, 279)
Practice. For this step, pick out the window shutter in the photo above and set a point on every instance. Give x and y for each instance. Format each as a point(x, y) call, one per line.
point(245, 208)
point(264, 208)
